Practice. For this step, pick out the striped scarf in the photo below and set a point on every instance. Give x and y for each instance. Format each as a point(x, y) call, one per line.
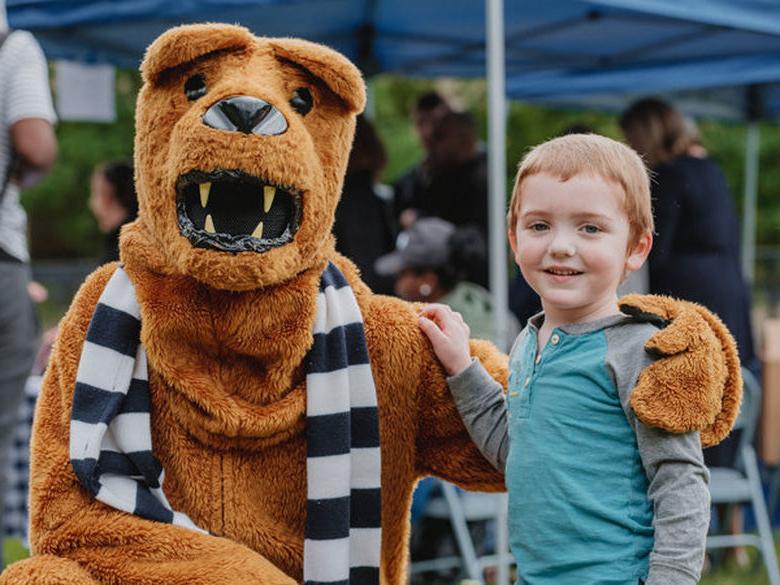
point(111, 440)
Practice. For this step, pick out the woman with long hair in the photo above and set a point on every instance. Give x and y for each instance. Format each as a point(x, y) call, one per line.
point(695, 254)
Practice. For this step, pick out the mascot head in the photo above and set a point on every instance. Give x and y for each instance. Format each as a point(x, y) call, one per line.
point(241, 145)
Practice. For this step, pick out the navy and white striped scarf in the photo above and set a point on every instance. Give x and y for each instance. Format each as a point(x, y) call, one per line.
point(111, 441)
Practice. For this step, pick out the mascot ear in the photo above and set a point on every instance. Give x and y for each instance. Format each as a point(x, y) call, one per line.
point(335, 70)
point(184, 44)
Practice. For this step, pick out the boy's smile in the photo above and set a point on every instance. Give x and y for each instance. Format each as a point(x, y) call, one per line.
point(571, 243)
point(561, 274)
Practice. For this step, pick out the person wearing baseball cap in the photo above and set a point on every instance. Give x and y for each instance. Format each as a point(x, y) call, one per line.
point(436, 262)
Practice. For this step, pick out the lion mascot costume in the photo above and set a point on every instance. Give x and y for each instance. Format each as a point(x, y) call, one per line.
point(231, 404)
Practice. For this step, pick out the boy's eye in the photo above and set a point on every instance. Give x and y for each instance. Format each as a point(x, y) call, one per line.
point(591, 229)
point(538, 226)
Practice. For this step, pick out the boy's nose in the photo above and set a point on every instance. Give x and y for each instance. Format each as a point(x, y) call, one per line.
point(562, 246)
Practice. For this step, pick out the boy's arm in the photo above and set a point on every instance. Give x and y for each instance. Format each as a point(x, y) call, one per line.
point(482, 406)
point(443, 446)
point(690, 395)
point(674, 466)
point(678, 488)
point(478, 397)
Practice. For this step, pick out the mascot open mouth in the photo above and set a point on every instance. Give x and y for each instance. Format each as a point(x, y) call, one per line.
point(233, 211)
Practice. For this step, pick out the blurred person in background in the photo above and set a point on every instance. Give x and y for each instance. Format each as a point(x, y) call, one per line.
point(28, 149)
point(429, 108)
point(458, 187)
point(695, 145)
point(434, 262)
point(363, 226)
point(695, 254)
point(113, 202)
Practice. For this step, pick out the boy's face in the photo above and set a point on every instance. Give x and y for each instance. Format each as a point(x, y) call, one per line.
point(571, 244)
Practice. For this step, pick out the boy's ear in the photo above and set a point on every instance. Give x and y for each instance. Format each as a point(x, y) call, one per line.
point(512, 240)
point(638, 254)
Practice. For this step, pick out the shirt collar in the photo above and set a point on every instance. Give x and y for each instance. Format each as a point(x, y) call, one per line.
point(580, 328)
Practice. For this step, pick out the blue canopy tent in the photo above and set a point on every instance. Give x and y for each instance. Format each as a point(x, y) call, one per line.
point(429, 37)
point(551, 50)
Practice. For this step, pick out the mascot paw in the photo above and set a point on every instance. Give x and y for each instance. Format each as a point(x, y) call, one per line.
point(696, 384)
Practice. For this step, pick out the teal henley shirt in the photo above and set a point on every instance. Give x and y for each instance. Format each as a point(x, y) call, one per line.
point(595, 496)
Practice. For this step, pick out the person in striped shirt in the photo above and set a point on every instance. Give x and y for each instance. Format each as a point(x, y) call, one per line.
point(28, 148)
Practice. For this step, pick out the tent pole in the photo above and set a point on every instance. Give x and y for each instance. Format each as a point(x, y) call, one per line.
point(750, 201)
point(497, 165)
point(494, 39)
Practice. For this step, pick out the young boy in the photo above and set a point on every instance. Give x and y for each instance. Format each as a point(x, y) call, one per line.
point(596, 497)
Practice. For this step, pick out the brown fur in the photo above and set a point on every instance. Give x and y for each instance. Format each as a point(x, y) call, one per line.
point(698, 386)
point(226, 335)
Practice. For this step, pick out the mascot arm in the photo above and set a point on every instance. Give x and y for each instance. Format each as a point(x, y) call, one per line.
point(696, 385)
point(78, 540)
point(444, 447)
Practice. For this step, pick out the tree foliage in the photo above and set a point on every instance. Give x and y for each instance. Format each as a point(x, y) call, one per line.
point(62, 227)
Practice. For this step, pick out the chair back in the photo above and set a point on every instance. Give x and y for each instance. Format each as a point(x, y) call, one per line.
point(747, 419)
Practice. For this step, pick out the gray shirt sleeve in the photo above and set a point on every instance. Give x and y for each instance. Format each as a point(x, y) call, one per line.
point(677, 477)
point(482, 406)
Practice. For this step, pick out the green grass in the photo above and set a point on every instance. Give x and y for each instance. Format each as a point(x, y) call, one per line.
point(727, 575)
point(736, 576)
point(14, 550)
point(731, 574)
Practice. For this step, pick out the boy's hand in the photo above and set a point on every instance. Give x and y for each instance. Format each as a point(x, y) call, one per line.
point(449, 336)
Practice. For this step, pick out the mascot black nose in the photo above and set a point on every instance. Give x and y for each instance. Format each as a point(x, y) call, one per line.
point(245, 114)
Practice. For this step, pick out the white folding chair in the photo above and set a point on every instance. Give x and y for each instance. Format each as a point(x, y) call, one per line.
point(460, 508)
point(741, 484)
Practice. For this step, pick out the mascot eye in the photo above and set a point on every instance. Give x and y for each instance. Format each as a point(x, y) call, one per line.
point(302, 101)
point(195, 87)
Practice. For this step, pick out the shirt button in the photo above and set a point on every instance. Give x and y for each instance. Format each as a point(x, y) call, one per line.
point(527, 381)
point(555, 339)
point(538, 359)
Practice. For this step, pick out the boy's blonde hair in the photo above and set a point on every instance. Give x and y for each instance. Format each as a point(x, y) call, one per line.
point(591, 154)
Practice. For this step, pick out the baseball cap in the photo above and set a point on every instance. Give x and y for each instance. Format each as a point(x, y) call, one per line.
point(424, 245)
